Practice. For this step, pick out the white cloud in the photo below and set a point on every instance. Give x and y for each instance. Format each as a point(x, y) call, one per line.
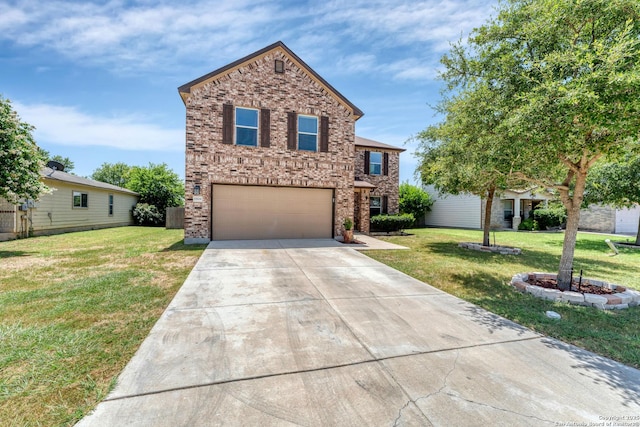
point(67, 126)
point(146, 36)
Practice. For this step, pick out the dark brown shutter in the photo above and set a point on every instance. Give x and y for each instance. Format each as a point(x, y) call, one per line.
point(324, 134)
point(227, 124)
point(265, 127)
point(367, 155)
point(385, 164)
point(292, 130)
point(385, 202)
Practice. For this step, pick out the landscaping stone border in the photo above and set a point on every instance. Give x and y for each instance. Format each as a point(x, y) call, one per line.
point(502, 250)
point(625, 298)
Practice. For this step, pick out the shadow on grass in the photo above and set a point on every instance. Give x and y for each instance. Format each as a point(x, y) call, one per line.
point(10, 254)
point(535, 259)
point(620, 379)
point(180, 246)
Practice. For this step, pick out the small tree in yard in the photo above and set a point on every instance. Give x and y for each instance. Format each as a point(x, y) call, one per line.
point(616, 183)
point(414, 200)
point(569, 71)
point(20, 158)
point(158, 186)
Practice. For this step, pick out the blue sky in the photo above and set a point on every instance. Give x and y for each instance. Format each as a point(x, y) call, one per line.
point(99, 80)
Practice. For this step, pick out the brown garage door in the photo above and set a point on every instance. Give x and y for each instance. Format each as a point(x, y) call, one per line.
point(254, 212)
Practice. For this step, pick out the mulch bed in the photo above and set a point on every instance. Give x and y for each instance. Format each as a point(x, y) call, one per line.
point(584, 288)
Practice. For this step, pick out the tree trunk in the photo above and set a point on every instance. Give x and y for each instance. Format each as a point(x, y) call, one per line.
point(571, 233)
point(486, 241)
point(638, 234)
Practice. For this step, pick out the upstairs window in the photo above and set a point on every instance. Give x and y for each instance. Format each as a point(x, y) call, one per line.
point(80, 200)
point(246, 127)
point(375, 163)
point(307, 133)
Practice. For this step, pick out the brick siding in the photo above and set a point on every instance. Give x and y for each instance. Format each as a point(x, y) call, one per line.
point(386, 185)
point(256, 85)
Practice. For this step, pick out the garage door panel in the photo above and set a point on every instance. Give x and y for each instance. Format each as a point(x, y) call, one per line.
point(253, 212)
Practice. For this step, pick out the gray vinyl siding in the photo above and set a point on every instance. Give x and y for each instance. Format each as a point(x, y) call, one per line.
point(462, 211)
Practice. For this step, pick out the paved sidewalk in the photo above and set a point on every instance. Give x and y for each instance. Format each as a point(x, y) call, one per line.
point(313, 333)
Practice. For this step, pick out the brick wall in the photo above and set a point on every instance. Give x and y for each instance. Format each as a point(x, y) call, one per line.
point(256, 85)
point(386, 185)
point(598, 218)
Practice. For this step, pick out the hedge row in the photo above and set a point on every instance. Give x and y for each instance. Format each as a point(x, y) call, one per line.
point(391, 222)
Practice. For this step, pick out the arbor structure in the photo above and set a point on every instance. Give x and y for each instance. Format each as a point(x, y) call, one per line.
point(616, 184)
point(20, 158)
point(569, 70)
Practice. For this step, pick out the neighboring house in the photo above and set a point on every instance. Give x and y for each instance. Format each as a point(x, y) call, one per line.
point(377, 176)
point(606, 219)
point(271, 153)
point(467, 211)
point(74, 204)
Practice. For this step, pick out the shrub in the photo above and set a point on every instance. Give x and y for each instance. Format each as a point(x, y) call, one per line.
point(529, 224)
point(145, 214)
point(391, 222)
point(413, 200)
point(553, 216)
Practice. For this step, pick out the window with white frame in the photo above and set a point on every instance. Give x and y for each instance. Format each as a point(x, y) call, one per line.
point(80, 199)
point(110, 204)
point(246, 126)
point(307, 133)
point(375, 163)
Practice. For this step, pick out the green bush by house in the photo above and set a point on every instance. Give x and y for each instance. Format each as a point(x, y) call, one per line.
point(391, 222)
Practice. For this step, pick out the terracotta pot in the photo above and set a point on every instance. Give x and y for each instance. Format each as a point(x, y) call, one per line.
point(347, 236)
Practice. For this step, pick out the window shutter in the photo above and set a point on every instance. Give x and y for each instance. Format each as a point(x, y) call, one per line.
point(324, 134)
point(265, 127)
point(367, 155)
point(385, 202)
point(227, 124)
point(385, 164)
point(292, 130)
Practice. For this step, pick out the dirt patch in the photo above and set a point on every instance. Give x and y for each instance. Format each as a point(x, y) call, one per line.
point(585, 287)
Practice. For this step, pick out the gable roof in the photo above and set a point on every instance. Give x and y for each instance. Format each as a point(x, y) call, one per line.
point(364, 142)
point(185, 89)
point(57, 175)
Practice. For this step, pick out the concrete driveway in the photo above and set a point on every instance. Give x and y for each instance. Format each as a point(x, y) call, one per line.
point(313, 333)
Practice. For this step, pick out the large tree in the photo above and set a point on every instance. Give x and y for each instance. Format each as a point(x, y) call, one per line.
point(571, 72)
point(615, 183)
point(157, 185)
point(68, 164)
point(113, 173)
point(20, 158)
point(464, 153)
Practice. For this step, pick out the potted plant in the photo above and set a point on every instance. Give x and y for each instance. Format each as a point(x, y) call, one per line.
point(347, 234)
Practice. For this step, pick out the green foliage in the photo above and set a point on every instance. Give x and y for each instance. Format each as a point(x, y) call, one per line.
point(68, 164)
point(113, 173)
point(347, 224)
point(529, 224)
point(157, 185)
point(392, 222)
point(20, 158)
point(564, 78)
point(414, 200)
point(552, 216)
point(145, 214)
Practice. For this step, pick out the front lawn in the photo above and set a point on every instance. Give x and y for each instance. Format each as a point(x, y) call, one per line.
point(483, 279)
point(73, 310)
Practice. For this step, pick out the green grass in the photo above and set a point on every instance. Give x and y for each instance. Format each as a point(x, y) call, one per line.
point(73, 310)
point(483, 279)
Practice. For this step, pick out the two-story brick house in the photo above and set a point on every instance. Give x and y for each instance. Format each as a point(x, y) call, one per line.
point(271, 153)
